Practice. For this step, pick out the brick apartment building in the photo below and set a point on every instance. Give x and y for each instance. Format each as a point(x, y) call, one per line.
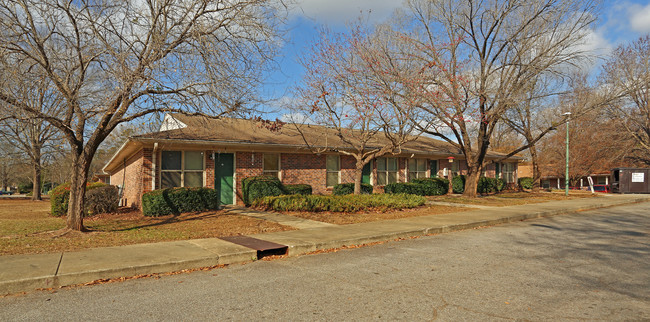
point(191, 151)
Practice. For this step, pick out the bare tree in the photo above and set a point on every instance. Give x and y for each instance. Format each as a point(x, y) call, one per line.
point(596, 145)
point(112, 143)
point(33, 136)
point(535, 115)
point(7, 164)
point(629, 70)
point(489, 52)
point(115, 61)
point(352, 87)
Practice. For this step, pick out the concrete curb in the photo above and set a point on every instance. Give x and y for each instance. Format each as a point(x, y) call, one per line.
point(125, 261)
point(300, 247)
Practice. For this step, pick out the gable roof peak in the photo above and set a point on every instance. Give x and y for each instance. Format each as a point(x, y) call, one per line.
point(171, 123)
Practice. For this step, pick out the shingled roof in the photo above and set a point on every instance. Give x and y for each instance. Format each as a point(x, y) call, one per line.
point(180, 128)
point(233, 130)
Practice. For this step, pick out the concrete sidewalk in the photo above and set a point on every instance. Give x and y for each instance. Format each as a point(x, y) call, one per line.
point(20, 273)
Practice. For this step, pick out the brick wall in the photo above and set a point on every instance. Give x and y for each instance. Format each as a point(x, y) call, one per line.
point(296, 168)
point(137, 171)
point(209, 170)
point(490, 170)
point(247, 164)
point(348, 165)
point(304, 169)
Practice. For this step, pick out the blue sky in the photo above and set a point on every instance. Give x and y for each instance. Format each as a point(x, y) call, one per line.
point(619, 22)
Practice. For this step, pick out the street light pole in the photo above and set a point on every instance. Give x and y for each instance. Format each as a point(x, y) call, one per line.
point(566, 175)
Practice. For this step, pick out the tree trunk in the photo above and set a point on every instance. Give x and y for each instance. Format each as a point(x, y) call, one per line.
point(450, 191)
point(77, 194)
point(36, 190)
point(471, 181)
point(4, 172)
point(537, 177)
point(358, 176)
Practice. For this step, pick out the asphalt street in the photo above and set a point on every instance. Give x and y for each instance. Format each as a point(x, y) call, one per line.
point(589, 266)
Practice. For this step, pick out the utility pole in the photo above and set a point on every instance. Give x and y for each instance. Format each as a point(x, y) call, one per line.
point(566, 175)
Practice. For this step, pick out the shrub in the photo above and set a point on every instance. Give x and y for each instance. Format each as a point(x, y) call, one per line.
point(60, 196)
point(297, 189)
point(174, 201)
point(434, 186)
point(486, 185)
point(406, 187)
point(458, 184)
point(101, 200)
point(348, 188)
point(260, 186)
point(501, 184)
point(525, 182)
point(339, 203)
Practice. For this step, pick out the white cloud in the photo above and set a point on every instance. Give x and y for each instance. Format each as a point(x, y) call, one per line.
point(596, 43)
point(336, 12)
point(640, 18)
point(296, 118)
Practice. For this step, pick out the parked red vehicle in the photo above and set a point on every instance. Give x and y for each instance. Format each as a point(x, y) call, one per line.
point(602, 188)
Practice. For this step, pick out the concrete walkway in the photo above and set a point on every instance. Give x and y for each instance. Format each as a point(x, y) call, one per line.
point(291, 221)
point(20, 273)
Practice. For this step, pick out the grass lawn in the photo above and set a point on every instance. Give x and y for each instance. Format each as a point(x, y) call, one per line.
point(511, 198)
point(26, 227)
point(341, 218)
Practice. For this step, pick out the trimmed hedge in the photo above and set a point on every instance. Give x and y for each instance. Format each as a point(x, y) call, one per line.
point(260, 186)
point(174, 201)
point(60, 197)
point(434, 186)
point(406, 187)
point(348, 189)
point(297, 189)
point(525, 182)
point(458, 183)
point(487, 185)
point(340, 203)
point(420, 187)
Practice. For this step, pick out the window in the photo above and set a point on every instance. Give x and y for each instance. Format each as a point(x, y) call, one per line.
point(386, 171)
point(455, 167)
point(181, 169)
point(417, 168)
point(509, 172)
point(601, 180)
point(271, 166)
point(333, 165)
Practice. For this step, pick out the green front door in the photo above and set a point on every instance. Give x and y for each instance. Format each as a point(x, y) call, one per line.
point(365, 173)
point(433, 168)
point(223, 176)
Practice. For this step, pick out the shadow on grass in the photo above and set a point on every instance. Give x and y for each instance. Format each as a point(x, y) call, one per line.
point(166, 220)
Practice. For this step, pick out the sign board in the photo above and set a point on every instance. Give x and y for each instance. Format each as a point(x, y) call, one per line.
point(638, 177)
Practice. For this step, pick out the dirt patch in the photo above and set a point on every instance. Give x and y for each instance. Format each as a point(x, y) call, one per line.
point(26, 228)
point(353, 218)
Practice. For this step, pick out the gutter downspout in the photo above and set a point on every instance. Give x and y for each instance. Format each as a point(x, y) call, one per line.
point(122, 201)
point(153, 166)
